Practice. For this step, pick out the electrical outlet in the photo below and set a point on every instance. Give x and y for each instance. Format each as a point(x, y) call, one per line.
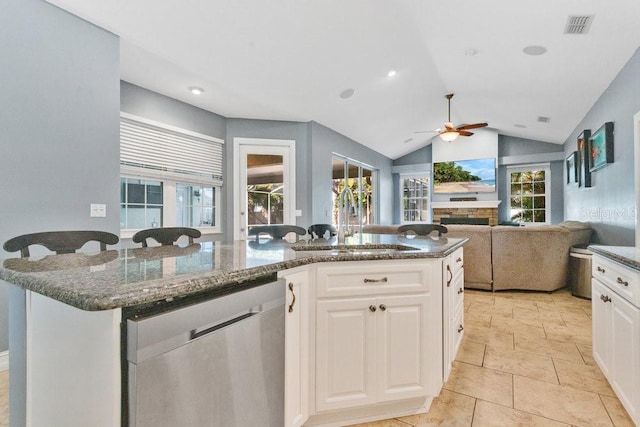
point(98, 210)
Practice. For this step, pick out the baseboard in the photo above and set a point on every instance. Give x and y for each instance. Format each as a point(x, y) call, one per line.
point(4, 360)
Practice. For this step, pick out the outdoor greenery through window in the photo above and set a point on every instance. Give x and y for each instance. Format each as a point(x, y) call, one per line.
point(415, 198)
point(265, 203)
point(528, 194)
point(360, 179)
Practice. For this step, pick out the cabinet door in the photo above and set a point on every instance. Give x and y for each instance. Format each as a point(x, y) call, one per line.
point(296, 367)
point(624, 372)
point(345, 353)
point(403, 353)
point(601, 321)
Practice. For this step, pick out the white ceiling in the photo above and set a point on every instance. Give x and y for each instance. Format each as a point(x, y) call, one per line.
point(291, 59)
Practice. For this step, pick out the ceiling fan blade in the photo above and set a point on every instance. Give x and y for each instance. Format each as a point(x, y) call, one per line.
point(472, 126)
point(427, 131)
point(465, 133)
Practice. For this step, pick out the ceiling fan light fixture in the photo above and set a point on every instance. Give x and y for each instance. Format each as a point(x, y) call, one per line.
point(449, 136)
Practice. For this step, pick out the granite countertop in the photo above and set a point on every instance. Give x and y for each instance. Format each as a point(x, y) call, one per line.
point(131, 277)
point(626, 255)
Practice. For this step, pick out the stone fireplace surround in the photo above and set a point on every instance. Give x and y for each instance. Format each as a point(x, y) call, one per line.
point(466, 209)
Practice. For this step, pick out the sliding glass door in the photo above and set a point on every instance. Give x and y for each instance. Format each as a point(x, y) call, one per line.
point(361, 180)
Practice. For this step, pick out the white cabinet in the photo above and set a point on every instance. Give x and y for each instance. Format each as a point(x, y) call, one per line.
point(296, 382)
point(378, 345)
point(452, 308)
point(616, 330)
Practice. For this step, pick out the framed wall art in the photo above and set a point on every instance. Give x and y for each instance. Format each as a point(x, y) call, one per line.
point(584, 175)
point(601, 147)
point(572, 168)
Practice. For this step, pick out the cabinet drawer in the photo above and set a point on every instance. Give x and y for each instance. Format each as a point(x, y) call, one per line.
point(376, 277)
point(622, 280)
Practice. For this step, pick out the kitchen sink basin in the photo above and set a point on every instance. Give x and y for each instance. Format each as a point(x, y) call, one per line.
point(354, 249)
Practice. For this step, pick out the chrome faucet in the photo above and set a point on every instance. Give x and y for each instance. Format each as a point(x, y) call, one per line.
point(346, 207)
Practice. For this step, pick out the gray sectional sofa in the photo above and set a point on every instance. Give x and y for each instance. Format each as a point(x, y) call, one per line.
point(505, 257)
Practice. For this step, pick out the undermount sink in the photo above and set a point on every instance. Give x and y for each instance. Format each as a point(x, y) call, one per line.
point(354, 249)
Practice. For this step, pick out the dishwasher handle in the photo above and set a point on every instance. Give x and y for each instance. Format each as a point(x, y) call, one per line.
point(197, 333)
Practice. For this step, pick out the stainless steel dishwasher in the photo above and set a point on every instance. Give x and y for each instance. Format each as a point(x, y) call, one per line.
point(218, 363)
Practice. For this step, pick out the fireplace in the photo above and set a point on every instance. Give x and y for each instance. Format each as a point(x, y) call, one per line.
point(466, 212)
point(463, 220)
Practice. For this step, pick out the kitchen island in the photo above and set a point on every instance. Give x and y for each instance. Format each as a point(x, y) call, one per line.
point(67, 311)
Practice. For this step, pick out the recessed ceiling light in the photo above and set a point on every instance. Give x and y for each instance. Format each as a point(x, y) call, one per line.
point(535, 50)
point(471, 52)
point(347, 93)
point(408, 140)
point(519, 126)
point(391, 73)
point(195, 90)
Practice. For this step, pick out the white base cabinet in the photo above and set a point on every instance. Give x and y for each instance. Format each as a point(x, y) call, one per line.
point(616, 330)
point(452, 309)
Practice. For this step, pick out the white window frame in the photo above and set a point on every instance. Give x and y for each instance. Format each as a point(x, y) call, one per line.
point(170, 178)
point(417, 175)
point(547, 189)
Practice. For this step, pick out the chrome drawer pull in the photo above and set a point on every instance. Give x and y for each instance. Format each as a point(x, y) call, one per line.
point(459, 259)
point(600, 269)
point(383, 280)
point(622, 282)
point(450, 276)
point(460, 328)
point(293, 296)
point(605, 298)
point(460, 291)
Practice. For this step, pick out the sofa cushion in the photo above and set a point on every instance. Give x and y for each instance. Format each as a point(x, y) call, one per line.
point(477, 254)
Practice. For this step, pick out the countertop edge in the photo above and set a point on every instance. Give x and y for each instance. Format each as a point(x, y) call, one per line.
point(201, 282)
point(612, 253)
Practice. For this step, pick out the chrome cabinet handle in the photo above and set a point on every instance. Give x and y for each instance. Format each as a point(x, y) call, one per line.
point(460, 328)
point(383, 307)
point(460, 291)
point(383, 280)
point(450, 276)
point(293, 296)
point(622, 282)
point(372, 308)
point(605, 298)
point(600, 269)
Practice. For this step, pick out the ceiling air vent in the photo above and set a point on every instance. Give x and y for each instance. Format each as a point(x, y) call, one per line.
point(543, 119)
point(578, 24)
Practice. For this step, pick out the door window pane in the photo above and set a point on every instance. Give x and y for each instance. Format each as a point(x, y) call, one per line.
point(265, 185)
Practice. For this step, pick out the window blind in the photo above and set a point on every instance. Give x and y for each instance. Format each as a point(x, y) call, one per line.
point(157, 150)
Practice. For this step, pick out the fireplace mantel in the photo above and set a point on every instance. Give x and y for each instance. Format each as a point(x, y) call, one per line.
point(466, 204)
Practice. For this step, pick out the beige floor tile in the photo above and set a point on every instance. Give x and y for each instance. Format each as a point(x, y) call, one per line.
point(531, 296)
point(583, 377)
point(547, 347)
point(510, 325)
point(480, 307)
point(482, 383)
point(471, 352)
point(489, 414)
point(568, 333)
point(449, 409)
point(384, 423)
point(489, 336)
point(521, 363)
point(478, 319)
point(616, 411)
point(587, 354)
point(559, 403)
point(537, 316)
point(4, 398)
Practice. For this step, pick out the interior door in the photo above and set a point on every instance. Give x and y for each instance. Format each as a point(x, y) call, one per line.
point(264, 189)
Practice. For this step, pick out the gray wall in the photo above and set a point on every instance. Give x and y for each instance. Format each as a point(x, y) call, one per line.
point(324, 142)
point(611, 203)
point(521, 151)
point(59, 81)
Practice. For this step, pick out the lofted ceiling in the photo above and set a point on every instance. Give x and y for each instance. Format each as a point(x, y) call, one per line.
point(292, 60)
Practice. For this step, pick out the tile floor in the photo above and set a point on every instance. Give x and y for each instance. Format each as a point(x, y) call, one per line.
point(525, 360)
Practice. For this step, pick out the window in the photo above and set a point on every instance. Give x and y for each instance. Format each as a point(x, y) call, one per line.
point(415, 198)
point(529, 194)
point(360, 179)
point(170, 177)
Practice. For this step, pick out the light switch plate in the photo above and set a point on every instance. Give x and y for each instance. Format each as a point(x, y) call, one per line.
point(98, 210)
point(298, 212)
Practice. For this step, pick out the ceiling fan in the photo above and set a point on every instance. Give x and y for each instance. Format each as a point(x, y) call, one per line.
point(449, 133)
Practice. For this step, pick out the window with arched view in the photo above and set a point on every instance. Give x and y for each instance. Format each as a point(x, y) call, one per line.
point(529, 194)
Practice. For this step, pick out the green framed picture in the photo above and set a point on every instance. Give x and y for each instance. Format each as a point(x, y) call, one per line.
point(601, 147)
